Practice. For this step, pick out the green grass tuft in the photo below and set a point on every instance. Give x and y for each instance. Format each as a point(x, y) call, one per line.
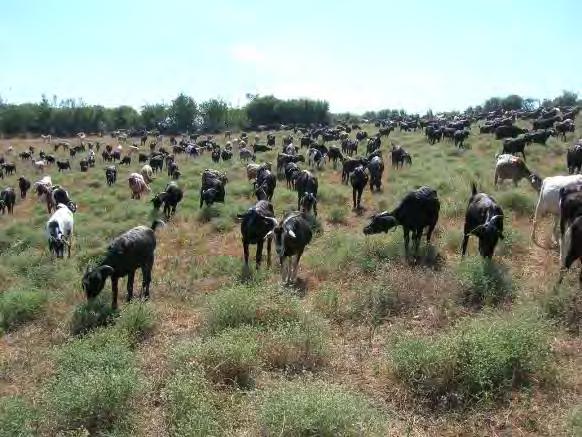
point(19, 306)
point(91, 315)
point(17, 418)
point(484, 282)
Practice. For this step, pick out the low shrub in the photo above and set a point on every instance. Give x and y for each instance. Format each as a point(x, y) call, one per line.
point(229, 357)
point(564, 306)
point(295, 345)
point(327, 303)
point(484, 282)
point(17, 418)
point(375, 303)
point(192, 406)
point(19, 306)
point(137, 319)
point(247, 305)
point(207, 213)
point(95, 380)
point(337, 215)
point(517, 202)
point(309, 409)
point(479, 360)
point(91, 315)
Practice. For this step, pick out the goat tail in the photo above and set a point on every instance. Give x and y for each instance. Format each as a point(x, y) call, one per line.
point(473, 188)
point(157, 223)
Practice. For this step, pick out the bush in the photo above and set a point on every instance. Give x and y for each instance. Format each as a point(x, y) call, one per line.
point(207, 213)
point(375, 303)
point(230, 357)
point(479, 360)
point(337, 216)
point(137, 319)
point(246, 305)
point(309, 409)
point(192, 406)
point(295, 345)
point(91, 315)
point(18, 307)
point(17, 418)
point(94, 382)
point(484, 282)
point(564, 305)
point(517, 202)
point(327, 302)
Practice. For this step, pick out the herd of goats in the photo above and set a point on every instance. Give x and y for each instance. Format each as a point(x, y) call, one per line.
point(559, 196)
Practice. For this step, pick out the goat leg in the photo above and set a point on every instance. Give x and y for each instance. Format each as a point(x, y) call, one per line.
point(130, 278)
point(114, 291)
point(259, 253)
point(146, 272)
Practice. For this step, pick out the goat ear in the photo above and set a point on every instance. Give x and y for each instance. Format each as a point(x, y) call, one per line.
point(106, 270)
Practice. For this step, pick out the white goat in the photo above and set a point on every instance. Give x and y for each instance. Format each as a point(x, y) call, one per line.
point(549, 202)
point(137, 185)
point(59, 230)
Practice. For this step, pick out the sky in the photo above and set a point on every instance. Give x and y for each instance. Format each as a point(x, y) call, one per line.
point(358, 55)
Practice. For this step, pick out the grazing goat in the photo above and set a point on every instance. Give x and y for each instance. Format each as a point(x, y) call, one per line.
point(574, 158)
point(291, 237)
point(349, 165)
point(137, 185)
point(358, 180)
point(7, 200)
point(245, 154)
point(484, 219)
point(257, 226)
point(212, 188)
point(514, 168)
point(316, 157)
point(130, 251)
point(59, 230)
point(170, 198)
point(515, 145)
point(147, 173)
point(252, 169)
point(111, 175)
point(63, 165)
point(419, 209)
point(549, 202)
point(399, 156)
point(376, 169)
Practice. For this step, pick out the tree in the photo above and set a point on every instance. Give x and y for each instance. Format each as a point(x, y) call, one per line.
point(512, 102)
point(492, 104)
point(214, 114)
point(183, 113)
point(153, 115)
point(125, 117)
point(529, 104)
point(568, 98)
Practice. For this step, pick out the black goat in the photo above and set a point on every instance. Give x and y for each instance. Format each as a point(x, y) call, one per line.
point(484, 219)
point(60, 195)
point(170, 198)
point(292, 170)
point(399, 156)
point(570, 228)
point(63, 165)
point(130, 251)
point(212, 188)
point(349, 165)
point(256, 227)
point(111, 174)
point(376, 170)
point(7, 200)
point(291, 237)
point(358, 180)
point(125, 161)
point(265, 184)
point(515, 145)
point(574, 158)
point(419, 209)
point(24, 186)
point(305, 183)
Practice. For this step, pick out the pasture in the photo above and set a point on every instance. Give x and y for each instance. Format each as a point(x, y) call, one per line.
point(365, 344)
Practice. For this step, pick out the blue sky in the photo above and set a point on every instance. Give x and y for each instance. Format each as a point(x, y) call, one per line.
point(357, 55)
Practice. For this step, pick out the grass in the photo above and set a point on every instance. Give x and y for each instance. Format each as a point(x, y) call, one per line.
point(94, 383)
point(355, 291)
point(478, 361)
point(18, 307)
point(17, 418)
point(309, 409)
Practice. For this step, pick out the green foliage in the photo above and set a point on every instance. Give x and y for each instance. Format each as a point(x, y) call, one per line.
point(564, 306)
point(18, 306)
point(575, 421)
point(484, 282)
point(229, 357)
point(318, 409)
point(95, 380)
point(268, 110)
point(137, 319)
point(337, 215)
point(375, 303)
point(519, 203)
point(17, 418)
point(214, 113)
point(478, 360)
point(91, 315)
point(247, 305)
point(182, 114)
point(327, 302)
point(192, 406)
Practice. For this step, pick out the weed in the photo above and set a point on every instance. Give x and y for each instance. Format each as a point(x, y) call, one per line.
point(18, 307)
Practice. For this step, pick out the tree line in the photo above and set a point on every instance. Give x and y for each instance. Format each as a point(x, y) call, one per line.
point(182, 115)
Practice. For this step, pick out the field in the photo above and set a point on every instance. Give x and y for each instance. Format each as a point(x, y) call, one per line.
point(365, 345)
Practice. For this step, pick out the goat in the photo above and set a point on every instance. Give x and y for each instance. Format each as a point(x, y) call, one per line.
point(376, 169)
point(111, 175)
point(257, 226)
point(305, 183)
point(292, 235)
point(131, 250)
point(549, 202)
point(484, 219)
point(24, 186)
point(514, 168)
point(59, 230)
point(358, 180)
point(137, 185)
point(212, 188)
point(570, 228)
point(265, 185)
point(7, 200)
point(170, 198)
point(147, 173)
point(419, 209)
point(399, 156)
